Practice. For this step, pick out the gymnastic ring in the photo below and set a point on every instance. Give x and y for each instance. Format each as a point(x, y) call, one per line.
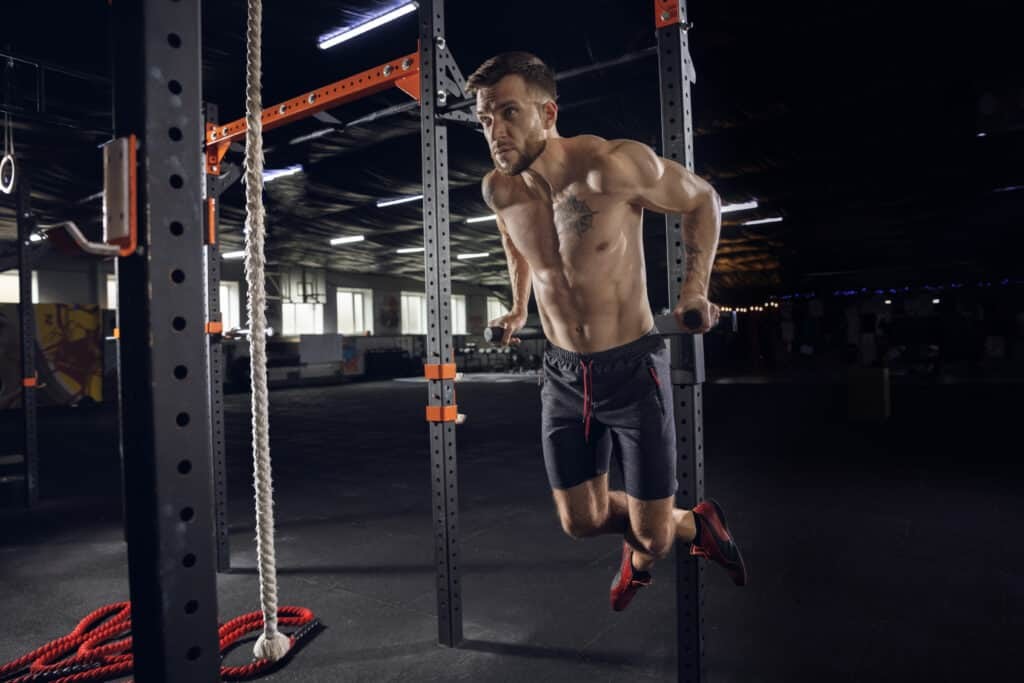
point(7, 174)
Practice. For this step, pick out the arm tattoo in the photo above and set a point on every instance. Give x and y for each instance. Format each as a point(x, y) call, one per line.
point(573, 213)
point(694, 260)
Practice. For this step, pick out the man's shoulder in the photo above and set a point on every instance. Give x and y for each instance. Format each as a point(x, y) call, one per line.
point(496, 190)
point(598, 152)
point(624, 161)
point(501, 191)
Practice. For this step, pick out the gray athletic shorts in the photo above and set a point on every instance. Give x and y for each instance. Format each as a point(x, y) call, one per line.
point(615, 401)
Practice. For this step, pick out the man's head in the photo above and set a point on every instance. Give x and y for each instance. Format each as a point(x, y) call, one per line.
point(515, 101)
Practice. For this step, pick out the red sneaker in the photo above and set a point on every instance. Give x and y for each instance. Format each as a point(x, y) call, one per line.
point(625, 585)
point(715, 542)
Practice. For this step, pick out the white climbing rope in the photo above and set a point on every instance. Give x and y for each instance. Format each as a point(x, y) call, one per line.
point(271, 644)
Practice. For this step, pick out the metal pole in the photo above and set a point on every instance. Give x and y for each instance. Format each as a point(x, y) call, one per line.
point(26, 226)
point(434, 62)
point(166, 438)
point(216, 367)
point(675, 77)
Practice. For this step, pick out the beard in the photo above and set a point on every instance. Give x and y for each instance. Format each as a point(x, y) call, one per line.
point(525, 158)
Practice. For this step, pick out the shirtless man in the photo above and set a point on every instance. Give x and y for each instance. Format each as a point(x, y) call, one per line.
point(570, 213)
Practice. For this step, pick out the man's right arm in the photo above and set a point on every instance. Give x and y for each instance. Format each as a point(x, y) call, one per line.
point(518, 268)
point(518, 274)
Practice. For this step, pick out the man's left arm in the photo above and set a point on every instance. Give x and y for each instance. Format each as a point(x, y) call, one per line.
point(667, 186)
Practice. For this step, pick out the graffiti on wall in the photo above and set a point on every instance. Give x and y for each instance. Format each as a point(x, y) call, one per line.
point(69, 354)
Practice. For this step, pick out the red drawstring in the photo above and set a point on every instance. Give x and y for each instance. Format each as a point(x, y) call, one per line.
point(655, 376)
point(588, 391)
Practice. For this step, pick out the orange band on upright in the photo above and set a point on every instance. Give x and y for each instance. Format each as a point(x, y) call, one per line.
point(439, 370)
point(215, 327)
point(442, 413)
point(211, 221)
point(31, 382)
point(117, 333)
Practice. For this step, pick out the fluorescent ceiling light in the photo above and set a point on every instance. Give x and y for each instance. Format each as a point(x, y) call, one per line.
point(481, 219)
point(272, 174)
point(729, 208)
point(233, 255)
point(381, 203)
point(35, 237)
point(463, 257)
point(981, 135)
point(935, 301)
point(347, 240)
point(312, 136)
point(329, 40)
point(760, 221)
point(888, 302)
point(409, 250)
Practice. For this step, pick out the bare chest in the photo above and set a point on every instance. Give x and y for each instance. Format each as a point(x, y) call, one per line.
point(578, 229)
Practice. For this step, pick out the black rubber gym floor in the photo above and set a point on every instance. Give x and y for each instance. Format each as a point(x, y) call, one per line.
point(876, 553)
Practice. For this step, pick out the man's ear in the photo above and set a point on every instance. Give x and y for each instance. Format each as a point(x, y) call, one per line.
point(549, 113)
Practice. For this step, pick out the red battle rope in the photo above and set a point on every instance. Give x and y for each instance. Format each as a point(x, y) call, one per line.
point(99, 649)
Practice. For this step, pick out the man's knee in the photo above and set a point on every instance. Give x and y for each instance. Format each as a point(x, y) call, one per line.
point(656, 543)
point(582, 526)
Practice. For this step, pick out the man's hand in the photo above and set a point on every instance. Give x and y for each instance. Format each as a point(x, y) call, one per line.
point(511, 321)
point(695, 301)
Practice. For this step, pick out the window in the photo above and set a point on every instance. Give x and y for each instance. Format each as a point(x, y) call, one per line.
point(302, 319)
point(495, 309)
point(9, 293)
point(230, 305)
point(458, 314)
point(355, 311)
point(111, 291)
point(414, 313)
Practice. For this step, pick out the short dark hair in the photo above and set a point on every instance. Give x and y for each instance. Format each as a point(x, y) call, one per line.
point(530, 67)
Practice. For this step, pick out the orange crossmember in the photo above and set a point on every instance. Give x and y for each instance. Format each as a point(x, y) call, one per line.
point(666, 13)
point(398, 72)
point(442, 413)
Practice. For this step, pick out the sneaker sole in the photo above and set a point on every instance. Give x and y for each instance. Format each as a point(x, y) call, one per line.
point(742, 579)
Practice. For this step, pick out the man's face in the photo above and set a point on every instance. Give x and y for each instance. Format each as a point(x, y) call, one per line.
point(511, 115)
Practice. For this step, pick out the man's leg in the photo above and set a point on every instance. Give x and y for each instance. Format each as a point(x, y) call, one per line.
point(656, 525)
point(650, 527)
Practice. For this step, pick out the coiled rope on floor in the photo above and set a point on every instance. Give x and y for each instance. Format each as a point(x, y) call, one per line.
point(100, 648)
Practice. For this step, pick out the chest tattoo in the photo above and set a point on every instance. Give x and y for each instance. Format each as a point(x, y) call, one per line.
point(573, 214)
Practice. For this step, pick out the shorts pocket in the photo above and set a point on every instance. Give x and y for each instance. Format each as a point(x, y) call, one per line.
point(652, 374)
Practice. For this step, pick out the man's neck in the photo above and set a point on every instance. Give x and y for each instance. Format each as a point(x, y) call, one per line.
point(552, 166)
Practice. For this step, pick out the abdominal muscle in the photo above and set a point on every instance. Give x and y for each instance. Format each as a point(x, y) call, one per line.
point(597, 310)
